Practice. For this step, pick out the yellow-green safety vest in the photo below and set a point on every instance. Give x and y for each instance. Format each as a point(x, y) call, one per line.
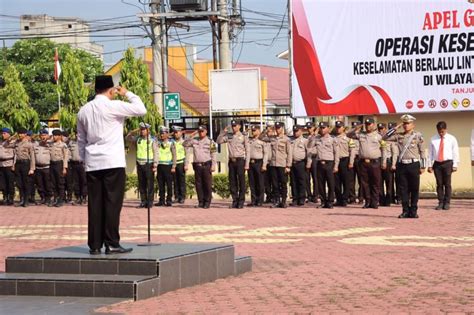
point(142, 156)
point(180, 152)
point(166, 157)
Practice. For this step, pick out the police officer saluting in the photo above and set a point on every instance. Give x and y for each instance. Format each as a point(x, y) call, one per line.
point(24, 165)
point(346, 165)
point(59, 165)
point(166, 168)
point(411, 163)
point(179, 180)
point(204, 163)
point(258, 153)
point(238, 147)
point(42, 172)
point(7, 176)
point(301, 163)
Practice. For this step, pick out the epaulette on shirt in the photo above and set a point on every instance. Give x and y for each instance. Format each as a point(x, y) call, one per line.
point(213, 147)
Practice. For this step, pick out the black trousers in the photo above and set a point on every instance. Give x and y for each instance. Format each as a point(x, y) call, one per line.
point(442, 172)
point(22, 178)
point(43, 183)
point(343, 180)
point(356, 177)
point(269, 189)
point(312, 194)
point(57, 179)
point(386, 184)
point(256, 182)
point(8, 181)
point(237, 180)
point(146, 182)
point(299, 179)
point(370, 180)
point(68, 185)
point(179, 180)
point(408, 181)
point(106, 189)
point(326, 176)
point(203, 182)
point(78, 175)
point(165, 182)
point(280, 184)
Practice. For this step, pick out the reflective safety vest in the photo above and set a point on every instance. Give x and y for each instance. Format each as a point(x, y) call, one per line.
point(142, 156)
point(165, 157)
point(180, 152)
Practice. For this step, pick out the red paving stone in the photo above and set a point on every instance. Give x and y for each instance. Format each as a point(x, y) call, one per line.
point(313, 273)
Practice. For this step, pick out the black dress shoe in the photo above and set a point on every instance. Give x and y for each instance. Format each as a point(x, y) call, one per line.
point(446, 206)
point(206, 205)
point(439, 207)
point(117, 250)
point(404, 215)
point(95, 251)
point(240, 205)
point(181, 201)
point(169, 204)
point(160, 204)
point(366, 206)
point(200, 205)
point(141, 205)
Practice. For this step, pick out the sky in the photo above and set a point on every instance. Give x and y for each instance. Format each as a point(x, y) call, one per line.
point(264, 36)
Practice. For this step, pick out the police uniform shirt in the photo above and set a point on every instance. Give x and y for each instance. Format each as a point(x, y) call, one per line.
point(282, 155)
point(42, 154)
point(24, 150)
point(59, 152)
point(7, 153)
point(415, 149)
point(371, 145)
point(300, 150)
point(258, 150)
point(326, 148)
point(346, 146)
point(204, 150)
point(237, 144)
point(74, 151)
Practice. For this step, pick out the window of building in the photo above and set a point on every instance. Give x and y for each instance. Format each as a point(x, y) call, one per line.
point(69, 26)
point(26, 28)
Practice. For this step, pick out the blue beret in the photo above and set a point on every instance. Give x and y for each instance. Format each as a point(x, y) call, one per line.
point(29, 133)
point(7, 130)
point(43, 132)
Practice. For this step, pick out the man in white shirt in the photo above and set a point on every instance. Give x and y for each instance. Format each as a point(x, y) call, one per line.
point(444, 159)
point(101, 147)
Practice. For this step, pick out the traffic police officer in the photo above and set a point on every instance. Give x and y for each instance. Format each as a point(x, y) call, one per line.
point(59, 165)
point(386, 183)
point(179, 180)
point(42, 172)
point(411, 163)
point(371, 150)
point(258, 153)
point(24, 165)
point(166, 168)
point(312, 194)
point(326, 148)
point(301, 163)
point(238, 148)
point(7, 176)
point(346, 165)
point(76, 168)
point(204, 164)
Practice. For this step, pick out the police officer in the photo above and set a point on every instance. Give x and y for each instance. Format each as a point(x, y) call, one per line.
point(372, 158)
point(179, 179)
point(42, 172)
point(356, 172)
point(7, 175)
point(147, 162)
point(269, 189)
point(78, 173)
point(301, 164)
point(68, 179)
point(394, 187)
point(238, 147)
point(166, 168)
point(386, 183)
point(326, 148)
point(24, 165)
point(258, 153)
point(59, 164)
point(31, 179)
point(346, 165)
point(204, 164)
point(411, 163)
point(281, 162)
point(312, 194)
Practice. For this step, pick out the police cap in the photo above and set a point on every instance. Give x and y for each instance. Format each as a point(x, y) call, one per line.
point(323, 124)
point(7, 130)
point(43, 132)
point(408, 118)
point(57, 132)
point(22, 131)
point(339, 124)
point(381, 125)
point(279, 124)
point(369, 121)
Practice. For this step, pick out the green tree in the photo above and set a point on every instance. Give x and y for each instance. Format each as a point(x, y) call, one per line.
point(73, 92)
point(135, 77)
point(34, 59)
point(15, 111)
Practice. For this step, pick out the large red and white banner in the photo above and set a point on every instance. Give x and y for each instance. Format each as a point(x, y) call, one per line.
point(381, 56)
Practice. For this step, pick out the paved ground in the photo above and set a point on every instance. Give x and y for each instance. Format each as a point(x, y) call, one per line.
point(344, 260)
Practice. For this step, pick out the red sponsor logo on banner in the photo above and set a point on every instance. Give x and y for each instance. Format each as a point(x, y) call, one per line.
point(432, 103)
point(444, 103)
point(420, 104)
point(409, 104)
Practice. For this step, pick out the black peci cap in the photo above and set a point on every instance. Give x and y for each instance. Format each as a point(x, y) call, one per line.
point(103, 82)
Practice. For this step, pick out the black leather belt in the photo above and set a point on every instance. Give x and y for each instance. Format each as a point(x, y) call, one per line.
point(296, 162)
point(75, 162)
point(202, 164)
point(236, 159)
point(56, 162)
point(368, 161)
point(255, 160)
point(42, 165)
point(23, 161)
point(3, 160)
point(323, 162)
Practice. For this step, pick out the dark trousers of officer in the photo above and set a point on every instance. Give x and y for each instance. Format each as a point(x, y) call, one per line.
point(269, 188)
point(370, 180)
point(395, 189)
point(76, 168)
point(299, 178)
point(31, 183)
point(22, 167)
point(386, 185)
point(356, 178)
point(280, 184)
point(57, 179)
point(312, 194)
point(237, 180)
point(179, 181)
point(43, 182)
point(326, 176)
point(442, 172)
point(68, 185)
point(256, 182)
point(343, 179)
point(203, 182)
point(8, 182)
point(106, 189)
point(146, 182)
point(165, 181)
point(408, 181)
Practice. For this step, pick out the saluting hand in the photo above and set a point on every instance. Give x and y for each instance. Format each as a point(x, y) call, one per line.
point(121, 90)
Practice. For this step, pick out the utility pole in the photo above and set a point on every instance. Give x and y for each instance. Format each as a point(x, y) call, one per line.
point(157, 48)
point(225, 60)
